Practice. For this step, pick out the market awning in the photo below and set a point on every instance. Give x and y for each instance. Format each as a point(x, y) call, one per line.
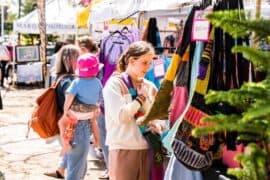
point(85, 14)
point(60, 19)
point(118, 9)
point(112, 9)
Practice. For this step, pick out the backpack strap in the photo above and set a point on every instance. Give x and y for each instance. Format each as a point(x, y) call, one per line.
point(54, 85)
point(127, 80)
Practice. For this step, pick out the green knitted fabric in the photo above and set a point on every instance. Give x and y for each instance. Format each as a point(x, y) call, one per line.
point(159, 109)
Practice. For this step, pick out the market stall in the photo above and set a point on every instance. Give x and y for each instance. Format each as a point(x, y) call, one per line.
point(60, 19)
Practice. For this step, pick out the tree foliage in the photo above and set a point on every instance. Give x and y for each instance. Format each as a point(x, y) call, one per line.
point(252, 99)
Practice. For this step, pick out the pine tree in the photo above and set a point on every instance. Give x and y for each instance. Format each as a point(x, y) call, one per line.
point(252, 99)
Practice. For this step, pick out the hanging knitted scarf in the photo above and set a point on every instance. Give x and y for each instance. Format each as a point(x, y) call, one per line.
point(194, 152)
point(160, 107)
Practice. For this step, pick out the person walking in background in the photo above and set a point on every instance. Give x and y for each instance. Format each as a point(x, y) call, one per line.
point(87, 45)
point(4, 59)
point(65, 65)
point(83, 45)
point(1, 101)
point(87, 69)
point(128, 149)
point(78, 104)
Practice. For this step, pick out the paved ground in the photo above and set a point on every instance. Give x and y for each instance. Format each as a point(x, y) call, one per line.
point(28, 159)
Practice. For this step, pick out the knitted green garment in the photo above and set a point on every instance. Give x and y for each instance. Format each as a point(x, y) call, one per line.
point(159, 109)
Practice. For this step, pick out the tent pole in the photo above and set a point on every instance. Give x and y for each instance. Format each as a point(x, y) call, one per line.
point(140, 20)
point(19, 16)
point(13, 63)
point(43, 37)
point(2, 20)
point(257, 16)
point(258, 8)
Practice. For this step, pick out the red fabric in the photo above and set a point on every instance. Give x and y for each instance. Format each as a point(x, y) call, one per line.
point(157, 173)
point(228, 156)
point(85, 2)
point(179, 102)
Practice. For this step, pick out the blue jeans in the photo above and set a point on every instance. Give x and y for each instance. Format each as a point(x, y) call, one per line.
point(77, 156)
point(176, 171)
point(102, 134)
point(63, 162)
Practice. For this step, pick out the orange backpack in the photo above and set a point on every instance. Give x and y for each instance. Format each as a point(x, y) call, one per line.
point(45, 116)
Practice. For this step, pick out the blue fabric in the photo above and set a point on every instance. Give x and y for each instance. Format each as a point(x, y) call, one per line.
point(102, 133)
point(150, 73)
point(195, 66)
point(88, 91)
point(63, 162)
point(194, 72)
point(176, 171)
point(158, 39)
point(77, 156)
point(61, 89)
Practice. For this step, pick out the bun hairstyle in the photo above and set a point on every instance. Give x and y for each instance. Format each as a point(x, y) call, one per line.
point(88, 43)
point(135, 50)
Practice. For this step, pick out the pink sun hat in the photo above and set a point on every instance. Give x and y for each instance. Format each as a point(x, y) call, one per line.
point(88, 65)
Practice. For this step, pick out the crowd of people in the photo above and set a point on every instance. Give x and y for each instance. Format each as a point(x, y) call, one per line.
point(108, 114)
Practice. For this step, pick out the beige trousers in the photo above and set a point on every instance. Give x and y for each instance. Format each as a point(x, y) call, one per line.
point(129, 165)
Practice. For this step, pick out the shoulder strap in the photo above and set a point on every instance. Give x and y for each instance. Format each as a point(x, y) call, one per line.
point(54, 85)
point(127, 80)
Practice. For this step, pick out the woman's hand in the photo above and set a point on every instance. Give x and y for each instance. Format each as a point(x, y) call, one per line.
point(155, 127)
point(142, 90)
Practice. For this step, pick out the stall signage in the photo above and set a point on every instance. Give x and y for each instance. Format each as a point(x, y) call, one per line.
point(159, 69)
point(200, 26)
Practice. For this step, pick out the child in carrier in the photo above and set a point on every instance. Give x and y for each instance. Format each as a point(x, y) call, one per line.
point(82, 98)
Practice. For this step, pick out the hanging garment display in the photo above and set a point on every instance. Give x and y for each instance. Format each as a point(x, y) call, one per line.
point(151, 33)
point(157, 70)
point(159, 109)
point(195, 152)
point(111, 49)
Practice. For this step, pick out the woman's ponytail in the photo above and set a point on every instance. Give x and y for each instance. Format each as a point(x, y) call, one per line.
point(122, 64)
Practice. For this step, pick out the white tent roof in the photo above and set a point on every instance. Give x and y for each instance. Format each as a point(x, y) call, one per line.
point(250, 6)
point(117, 9)
point(60, 19)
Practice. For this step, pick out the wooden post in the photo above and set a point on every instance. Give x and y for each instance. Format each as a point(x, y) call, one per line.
point(42, 30)
point(258, 8)
point(257, 16)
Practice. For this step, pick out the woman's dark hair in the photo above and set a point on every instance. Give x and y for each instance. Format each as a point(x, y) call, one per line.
point(88, 43)
point(152, 31)
point(135, 50)
point(58, 46)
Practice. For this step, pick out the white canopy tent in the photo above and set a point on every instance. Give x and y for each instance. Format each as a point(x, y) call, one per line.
point(250, 6)
point(60, 19)
point(118, 9)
